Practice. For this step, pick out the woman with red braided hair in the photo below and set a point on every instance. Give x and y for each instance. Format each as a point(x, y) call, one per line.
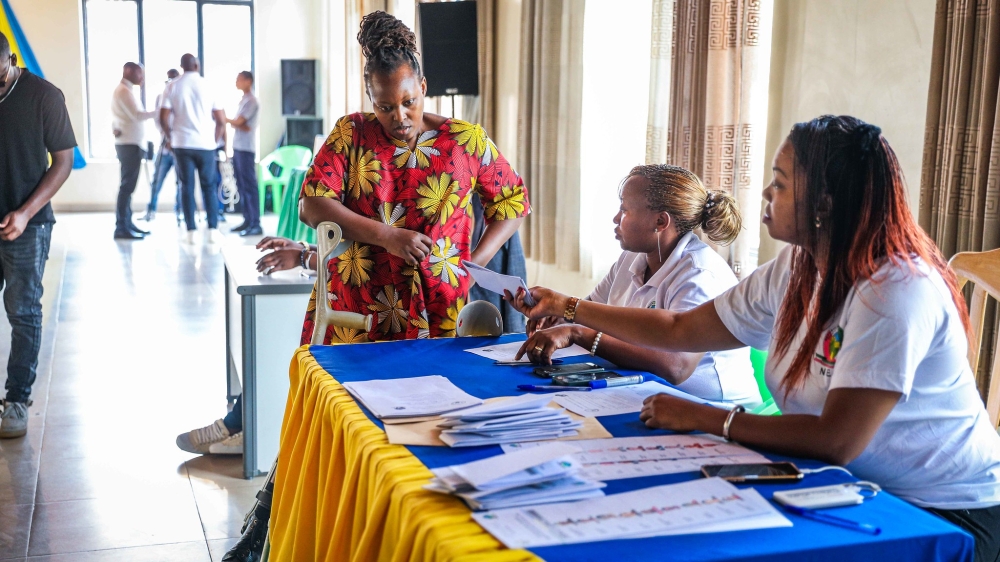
point(399, 182)
point(866, 332)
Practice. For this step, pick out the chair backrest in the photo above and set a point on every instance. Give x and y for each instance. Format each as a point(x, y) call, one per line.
point(330, 243)
point(286, 158)
point(288, 219)
point(758, 359)
point(983, 269)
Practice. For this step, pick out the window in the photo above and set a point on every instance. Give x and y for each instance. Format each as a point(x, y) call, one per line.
point(156, 33)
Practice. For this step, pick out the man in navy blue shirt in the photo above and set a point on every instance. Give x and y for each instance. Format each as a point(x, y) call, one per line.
point(35, 124)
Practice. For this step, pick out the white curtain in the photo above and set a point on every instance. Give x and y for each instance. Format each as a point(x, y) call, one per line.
point(659, 81)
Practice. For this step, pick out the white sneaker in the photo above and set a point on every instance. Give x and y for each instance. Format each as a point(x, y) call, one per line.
point(214, 236)
point(232, 445)
point(14, 420)
point(200, 440)
point(189, 237)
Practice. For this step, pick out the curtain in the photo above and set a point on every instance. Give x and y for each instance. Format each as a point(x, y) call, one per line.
point(960, 180)
point(718, 105)
point(549, 112)
point(661, 40)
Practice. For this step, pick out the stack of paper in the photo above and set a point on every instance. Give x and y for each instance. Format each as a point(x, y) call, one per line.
point(623, 399)
point(416, 396)
point(708, 505)
point(498, 282)
point(541, 474)
point(521, 418)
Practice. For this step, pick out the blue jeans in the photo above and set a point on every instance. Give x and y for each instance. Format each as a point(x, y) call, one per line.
point(22, 264)
point(164, 161)
point(245, 171)
point(234, 419)
point(188, 160)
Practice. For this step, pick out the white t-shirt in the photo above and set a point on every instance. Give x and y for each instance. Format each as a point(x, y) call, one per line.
point(693, 275)
point(191, 104)
point(127, 115)
point(900, 333)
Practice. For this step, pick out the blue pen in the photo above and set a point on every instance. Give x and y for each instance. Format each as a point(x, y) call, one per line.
point(551, 388)
point(620, 381)
point(833, 520)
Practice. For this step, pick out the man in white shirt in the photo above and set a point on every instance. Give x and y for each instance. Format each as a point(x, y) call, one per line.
point(187, 116)
point(164, 160)
point(127, 116)
point(244, 156)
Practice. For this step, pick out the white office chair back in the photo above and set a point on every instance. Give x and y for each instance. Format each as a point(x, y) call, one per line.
point(479, 318)
point(330, 243)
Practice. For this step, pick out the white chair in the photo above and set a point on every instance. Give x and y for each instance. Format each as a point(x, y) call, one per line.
point(983, 269)
point(330, 243)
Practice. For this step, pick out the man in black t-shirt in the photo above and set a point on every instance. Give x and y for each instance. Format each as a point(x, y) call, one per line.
point(34, 123)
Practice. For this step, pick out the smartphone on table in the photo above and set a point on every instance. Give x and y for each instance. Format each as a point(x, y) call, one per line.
point(583, 379)
point(765, 472)
point(573, 368)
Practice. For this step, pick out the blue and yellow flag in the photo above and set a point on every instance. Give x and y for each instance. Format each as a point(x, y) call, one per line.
point(19, 45)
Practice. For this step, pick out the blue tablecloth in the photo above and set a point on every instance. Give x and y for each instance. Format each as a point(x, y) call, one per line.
point(908, 533)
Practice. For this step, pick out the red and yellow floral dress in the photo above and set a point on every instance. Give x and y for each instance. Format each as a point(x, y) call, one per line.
point(427, 190)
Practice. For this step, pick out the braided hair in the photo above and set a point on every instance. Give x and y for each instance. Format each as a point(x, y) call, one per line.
point(387, 44)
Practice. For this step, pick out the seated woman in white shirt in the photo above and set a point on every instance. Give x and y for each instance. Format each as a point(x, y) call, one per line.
point(664, 265)
point(866, 331)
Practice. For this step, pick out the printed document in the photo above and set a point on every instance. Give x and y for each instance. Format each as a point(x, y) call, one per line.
point(497, 282)
point(507, 351)
point(621, 399)
point(416, 396)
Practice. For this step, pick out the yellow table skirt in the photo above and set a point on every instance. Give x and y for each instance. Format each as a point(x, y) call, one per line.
point(343, 493)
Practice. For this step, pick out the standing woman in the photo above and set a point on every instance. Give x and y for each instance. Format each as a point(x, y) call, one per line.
point(866, 331)
point(399, 183)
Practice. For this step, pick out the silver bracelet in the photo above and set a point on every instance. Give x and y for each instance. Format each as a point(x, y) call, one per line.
point(729, 421)
point(597, 340)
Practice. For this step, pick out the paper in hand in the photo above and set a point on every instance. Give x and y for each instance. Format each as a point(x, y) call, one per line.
point(498, 282)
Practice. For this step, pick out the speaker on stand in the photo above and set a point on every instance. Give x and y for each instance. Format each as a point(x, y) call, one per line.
point(300, 101)
point(449, 45)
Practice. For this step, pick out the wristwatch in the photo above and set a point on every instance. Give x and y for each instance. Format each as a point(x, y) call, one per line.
point(570, 313)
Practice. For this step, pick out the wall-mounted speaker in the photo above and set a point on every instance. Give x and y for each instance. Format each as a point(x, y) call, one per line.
point(450, 48)
point(300, 87)
point(302, 131)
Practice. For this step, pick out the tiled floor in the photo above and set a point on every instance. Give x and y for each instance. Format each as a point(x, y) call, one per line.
point(133, 354)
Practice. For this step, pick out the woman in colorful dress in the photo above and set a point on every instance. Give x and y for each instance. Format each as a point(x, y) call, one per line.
point(399, 183)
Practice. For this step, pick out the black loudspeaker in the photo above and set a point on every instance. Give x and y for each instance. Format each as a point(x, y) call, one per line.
point(450, 48)
point(299, 87)
point(303, 131)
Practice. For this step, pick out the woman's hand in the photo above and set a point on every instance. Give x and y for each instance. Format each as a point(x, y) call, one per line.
point(542, 323)
point(277, 243)
point(662, 411)
point(410, 245)
point(547, 303)
point(543, 343)
point(279, 260)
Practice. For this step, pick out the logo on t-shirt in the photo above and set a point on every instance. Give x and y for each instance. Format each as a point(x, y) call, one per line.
point(652, 304)
point(830, 347)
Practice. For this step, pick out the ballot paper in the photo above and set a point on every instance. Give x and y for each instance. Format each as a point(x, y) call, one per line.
point(634, 457)
point(498, 282)
point(416, 396)
point(622, 399)
point(507, 351)
point(527, 477)
point(521, 418)
point(697, 506)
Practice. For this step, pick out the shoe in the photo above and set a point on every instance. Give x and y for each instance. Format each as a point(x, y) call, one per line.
point(242, 226)
point(127, 235)
point(232, 445)
point(150, 216)
point(189, 237)
point(136, 230)
point(200, 440)
point(252, 231)
point(251, 545)
point(214, 236)
point(14, 420)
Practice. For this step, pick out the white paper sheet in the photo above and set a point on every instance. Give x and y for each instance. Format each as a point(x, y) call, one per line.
point(507, 351)
point(497, 282)
point(621, 399)
point(484, 471)
point(696, 506)
point(416, 396)
point(633, 457)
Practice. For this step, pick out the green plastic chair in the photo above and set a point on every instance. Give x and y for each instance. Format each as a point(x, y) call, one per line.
point(758, 358)
point(274, 171)
point(289, 225)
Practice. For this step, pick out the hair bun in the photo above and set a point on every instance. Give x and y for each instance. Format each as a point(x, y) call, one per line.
point(382, 32)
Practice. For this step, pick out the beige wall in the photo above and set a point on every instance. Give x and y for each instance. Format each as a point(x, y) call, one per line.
point(867, 58)
point(285, 29)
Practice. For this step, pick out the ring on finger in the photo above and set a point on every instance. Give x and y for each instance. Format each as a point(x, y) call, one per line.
point(538, 349)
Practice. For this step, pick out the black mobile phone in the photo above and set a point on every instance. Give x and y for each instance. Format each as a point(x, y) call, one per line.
point(574, 368)
point(577, 379)
point(754, 472)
